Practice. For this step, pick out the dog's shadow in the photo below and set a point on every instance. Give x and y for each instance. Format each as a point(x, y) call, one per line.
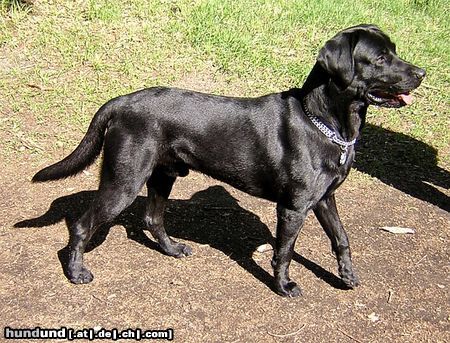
point(214, 217)
point(211, 217)
point(404, 163)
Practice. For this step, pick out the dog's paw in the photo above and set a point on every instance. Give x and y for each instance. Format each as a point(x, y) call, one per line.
point(183, 250)
point(350, 280)
point(81, 276)
point(288, 289)
point(178, 250)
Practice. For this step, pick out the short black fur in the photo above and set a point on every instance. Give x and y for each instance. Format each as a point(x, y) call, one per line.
point(265, 146)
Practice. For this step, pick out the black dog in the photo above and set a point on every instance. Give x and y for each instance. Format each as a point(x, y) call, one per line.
point(294, 148)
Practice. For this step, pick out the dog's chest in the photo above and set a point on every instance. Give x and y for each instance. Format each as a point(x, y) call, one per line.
point(319, 177)
point(338, 171)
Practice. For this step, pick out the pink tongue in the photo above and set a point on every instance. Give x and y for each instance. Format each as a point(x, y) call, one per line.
point(407, 98)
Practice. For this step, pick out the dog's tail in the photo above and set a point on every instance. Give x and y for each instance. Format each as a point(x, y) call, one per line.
point(85, 153)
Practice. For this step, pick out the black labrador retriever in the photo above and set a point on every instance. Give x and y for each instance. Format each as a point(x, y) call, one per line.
point(294, 148)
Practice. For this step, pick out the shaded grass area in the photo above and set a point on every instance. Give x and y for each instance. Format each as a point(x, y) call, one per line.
point(60, 60)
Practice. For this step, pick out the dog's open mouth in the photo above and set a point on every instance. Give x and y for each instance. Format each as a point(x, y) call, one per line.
point(380, 98)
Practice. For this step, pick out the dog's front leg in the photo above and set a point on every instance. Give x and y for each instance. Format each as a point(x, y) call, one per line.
point(327, 214)
point(288, 226)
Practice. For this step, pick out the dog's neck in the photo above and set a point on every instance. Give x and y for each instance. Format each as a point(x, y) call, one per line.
point(334, 106)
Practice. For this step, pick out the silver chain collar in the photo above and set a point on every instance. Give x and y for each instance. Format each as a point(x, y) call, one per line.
point(331, 134)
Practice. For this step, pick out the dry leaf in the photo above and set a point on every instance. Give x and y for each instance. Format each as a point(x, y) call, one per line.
point(373, 317)
point(264, 248)
point(177, 283)
point(396, 229)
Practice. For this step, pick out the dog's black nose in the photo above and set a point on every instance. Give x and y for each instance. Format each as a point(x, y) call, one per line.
point(420, 73)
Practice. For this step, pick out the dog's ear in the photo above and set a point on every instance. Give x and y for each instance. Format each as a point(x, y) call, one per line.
point(336, 57)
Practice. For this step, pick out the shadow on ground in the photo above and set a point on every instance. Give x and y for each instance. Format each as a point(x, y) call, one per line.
point(404, 163)
point(211, 216)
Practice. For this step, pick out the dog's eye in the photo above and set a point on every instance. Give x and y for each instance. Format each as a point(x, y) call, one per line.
point(381, 59)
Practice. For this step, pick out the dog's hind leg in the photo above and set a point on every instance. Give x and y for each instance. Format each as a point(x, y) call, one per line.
point(126, 168)
point(326, 213)
point(108, 204)
point(159, 186)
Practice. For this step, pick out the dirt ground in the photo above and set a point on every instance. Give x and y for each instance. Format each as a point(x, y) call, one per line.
point(223, 292)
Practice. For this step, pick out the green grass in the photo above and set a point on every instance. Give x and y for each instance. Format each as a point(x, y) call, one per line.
point(60, 60)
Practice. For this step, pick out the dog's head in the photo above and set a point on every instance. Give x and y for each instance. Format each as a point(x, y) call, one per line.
point(363, 58)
